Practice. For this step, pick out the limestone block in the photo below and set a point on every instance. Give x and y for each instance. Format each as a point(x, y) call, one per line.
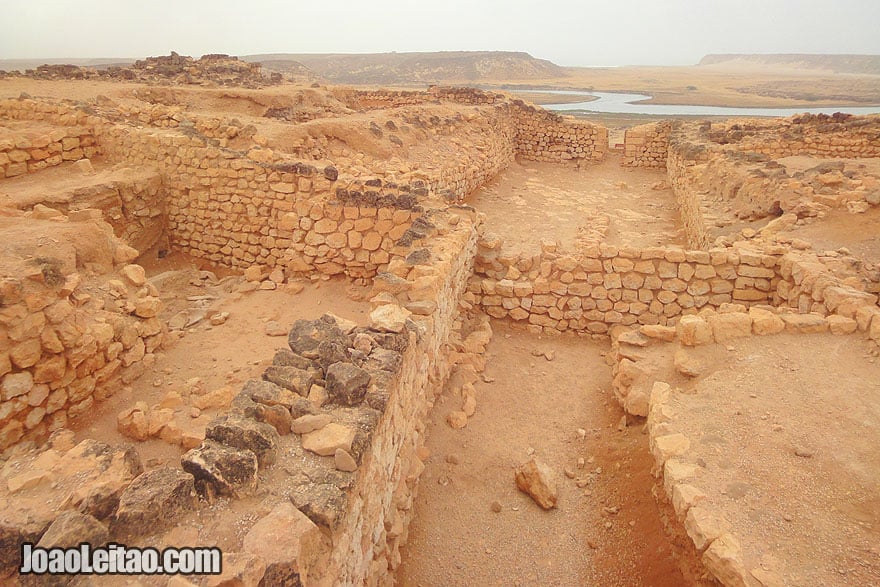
point(702, 526)
point(765, 322)
point(727, 327)
point(693, 331)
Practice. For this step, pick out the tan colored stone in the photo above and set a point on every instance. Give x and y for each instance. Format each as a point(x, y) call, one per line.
point(254, 273)
point(310, 422)
point(457, 419)
point(684, 497)
point(702, 526)
point(26, 354)
point(670, 445)
point(765, 322)
point(148, 307)
point(693, 331)
point(344, 461)
point(723, 559)
point(389, 318)
point(726, 327)
point(841, 324)
point(326, 440)
point(135, 274)
point(537, 480)
point(687, 364)
point(16, 384)
point(134, 422)
point(804, 323)
point(283, 539)
point(665, 333)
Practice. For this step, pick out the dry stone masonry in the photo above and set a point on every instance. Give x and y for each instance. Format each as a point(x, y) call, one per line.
point(378, 198)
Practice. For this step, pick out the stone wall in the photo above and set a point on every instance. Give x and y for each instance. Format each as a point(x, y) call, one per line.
point(366, 548)
point(29, 151)
point(685, 164)
point(261, 207)
point(540, 135)
point(808, 285)
point(840, 135)
point(646, 145)
point(67, 339)
point(600, 286)
point(545, 136)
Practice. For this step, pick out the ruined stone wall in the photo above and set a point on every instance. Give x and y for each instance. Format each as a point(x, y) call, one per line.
point(816, 135)
point(603, 285)
point(260, 208)
point(808, 285)
point(540, 135)
point(544, 136)
point(646, 145)
point(366, 549)
point(23, 152)
point(67, 341)
point(384, 98)
point(685, 165)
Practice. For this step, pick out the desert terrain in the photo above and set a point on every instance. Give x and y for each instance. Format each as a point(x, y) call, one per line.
point(364, 335)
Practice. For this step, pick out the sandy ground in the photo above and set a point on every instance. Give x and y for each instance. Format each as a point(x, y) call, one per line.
point(718, 85)
point(808, 409)
point(606, 532)
point(530, 202)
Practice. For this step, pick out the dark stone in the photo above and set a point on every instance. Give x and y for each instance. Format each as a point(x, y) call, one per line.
point(378, 399)
point(267, 393)
point(346, 384)
point(332, 351)
point(292, 378)
point(307, 335)
point(101, 502)
point(287, 358)
point(419, 257)
point(391, 283)
point(364, 422)
point(407, 202)
point(221, 470)
point(323, 503)
point(240, 432)
point(394, 341)
point(153, 502)
point(381, 359)
point(72, 528)
point(301, 407)
point(12, 536)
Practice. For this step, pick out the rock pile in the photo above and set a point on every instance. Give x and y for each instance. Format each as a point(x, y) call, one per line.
point(217, 69)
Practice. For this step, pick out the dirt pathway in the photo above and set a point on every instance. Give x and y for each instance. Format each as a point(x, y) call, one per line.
point(529, 202)
point(606, 532)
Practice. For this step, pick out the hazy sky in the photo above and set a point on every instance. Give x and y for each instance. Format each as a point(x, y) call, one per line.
point(568, 32)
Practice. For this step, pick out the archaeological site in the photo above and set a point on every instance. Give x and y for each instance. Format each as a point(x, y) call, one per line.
point(361, 336)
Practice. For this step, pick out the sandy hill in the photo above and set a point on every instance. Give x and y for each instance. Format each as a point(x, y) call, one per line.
point(396, 68)
point(859, 64)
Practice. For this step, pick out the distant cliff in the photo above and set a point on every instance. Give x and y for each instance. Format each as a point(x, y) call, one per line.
point(397, 68)
point(860, 64)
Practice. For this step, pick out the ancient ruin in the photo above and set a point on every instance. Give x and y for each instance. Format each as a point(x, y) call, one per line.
point(233, 310)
